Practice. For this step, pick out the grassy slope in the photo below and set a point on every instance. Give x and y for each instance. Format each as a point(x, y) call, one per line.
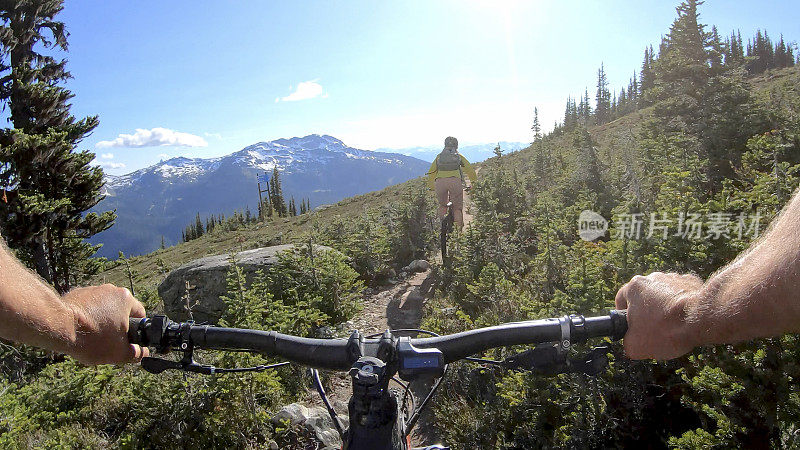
point(278, 231)
point(610, 138)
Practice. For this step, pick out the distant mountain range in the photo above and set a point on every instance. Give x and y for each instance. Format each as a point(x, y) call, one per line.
point(162, 199)
point(473, 153)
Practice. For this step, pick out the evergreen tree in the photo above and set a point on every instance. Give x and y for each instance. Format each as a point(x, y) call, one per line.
point(735, 51)
point(163, 244)
point(760, 53)
point(682, 69)
point(276, 194)
point(571, 113)
point(622, 103)
point(198, 227)
point(633, 93)
point(586, 109)
point(292, 208)
point(52, 184)
point(647, 76)
point(602, 109)
point(536, 128)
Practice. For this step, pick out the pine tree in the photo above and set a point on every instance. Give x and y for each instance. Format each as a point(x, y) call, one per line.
point(633, 94)
point(682, 69)
point(571, 113)
point(602, 109)
point(292, 208)
point(622, 103)
point(52, 184)
point(586, 110)
point(735, 51)
point(198, 227)
point(536, 128)
point(647, 77)
point(163, 244)
point(498, 152)
point(276, 194)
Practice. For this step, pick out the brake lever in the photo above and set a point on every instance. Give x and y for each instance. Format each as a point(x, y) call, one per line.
point(548, 359)
point(158, 365)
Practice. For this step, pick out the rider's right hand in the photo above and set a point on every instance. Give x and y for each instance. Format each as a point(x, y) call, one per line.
point(659, 324)
point(101, 325)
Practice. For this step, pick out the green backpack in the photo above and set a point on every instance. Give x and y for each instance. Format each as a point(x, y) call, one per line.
point(447, 161)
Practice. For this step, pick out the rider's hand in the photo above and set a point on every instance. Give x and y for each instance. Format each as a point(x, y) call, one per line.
point(101, 324)
point(658, 306)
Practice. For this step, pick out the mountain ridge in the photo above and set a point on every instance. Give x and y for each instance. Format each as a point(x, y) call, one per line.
point(161, 199)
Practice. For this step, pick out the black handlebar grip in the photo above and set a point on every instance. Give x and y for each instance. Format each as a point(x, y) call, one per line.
point(619, 320)
point(135, 332)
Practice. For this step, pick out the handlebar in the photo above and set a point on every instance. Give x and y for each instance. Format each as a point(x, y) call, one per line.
point(340, 354)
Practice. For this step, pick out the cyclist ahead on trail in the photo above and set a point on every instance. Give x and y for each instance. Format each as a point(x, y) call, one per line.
point(446, 176)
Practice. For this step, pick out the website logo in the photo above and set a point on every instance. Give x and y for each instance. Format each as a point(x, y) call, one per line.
point(591, 225)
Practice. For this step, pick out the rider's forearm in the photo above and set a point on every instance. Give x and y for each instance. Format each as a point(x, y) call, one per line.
point(31, 312)
point(758, 295)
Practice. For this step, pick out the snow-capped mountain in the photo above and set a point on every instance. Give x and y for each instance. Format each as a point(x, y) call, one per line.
point(162, 199)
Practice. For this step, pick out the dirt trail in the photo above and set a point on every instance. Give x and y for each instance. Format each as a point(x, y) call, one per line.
point(396, 305)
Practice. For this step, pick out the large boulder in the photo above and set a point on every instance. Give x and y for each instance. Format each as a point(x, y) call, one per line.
point(204, 281)
point(316, 420)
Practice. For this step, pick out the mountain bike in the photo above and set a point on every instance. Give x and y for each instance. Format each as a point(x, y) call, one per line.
point(447, 227)
point(379, 418)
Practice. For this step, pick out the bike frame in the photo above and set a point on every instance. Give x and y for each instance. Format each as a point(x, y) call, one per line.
point(447, 226)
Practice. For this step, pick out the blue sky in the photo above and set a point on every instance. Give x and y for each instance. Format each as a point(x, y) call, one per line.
point(208, 78)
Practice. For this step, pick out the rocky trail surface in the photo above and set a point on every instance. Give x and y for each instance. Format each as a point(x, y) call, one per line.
point(397, 305)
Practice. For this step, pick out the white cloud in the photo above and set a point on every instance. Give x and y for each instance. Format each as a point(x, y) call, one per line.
point(107, 156)
point(110, 165)
point(213, 135)
point(154, 138)
point(305, 90)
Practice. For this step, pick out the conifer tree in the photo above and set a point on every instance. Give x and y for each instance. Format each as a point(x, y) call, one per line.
point(602, 109)
point(536, 128)
point(586, 111)
point(571, 113)
point(647, 78)
point(198, 227)
point(163, 244)
point(622, 103)
point(52, 184)
point(276, 194)
point(682, 69)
